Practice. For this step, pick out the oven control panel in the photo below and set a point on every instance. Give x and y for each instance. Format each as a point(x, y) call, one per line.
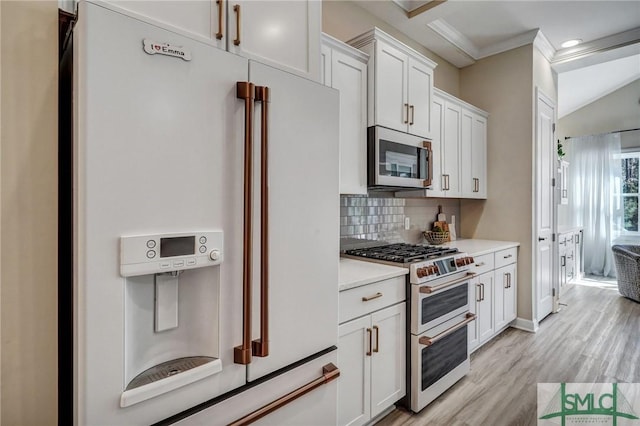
point(428, 270)
point(159, 253)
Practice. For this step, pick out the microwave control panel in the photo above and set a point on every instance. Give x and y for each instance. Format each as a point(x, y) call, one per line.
point(160, 253)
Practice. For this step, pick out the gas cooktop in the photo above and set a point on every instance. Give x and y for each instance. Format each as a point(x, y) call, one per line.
point(400, 253)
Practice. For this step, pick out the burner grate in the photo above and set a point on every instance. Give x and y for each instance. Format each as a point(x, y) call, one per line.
point(402, 252)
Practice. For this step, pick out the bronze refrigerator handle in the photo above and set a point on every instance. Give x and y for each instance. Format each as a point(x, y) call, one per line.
point(261, 346)
point(329, 372)
point(246, 92)
point(236, 9)
point(220, 4)
point(428, 341)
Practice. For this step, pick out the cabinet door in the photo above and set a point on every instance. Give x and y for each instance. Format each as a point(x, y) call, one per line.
point(472, 328)
point(451, 149)
point(194, 16)
point(349, 76)
point(485, 307)
point(388, 361)
point(283, 34)
point(419, 97)
point(501, 281)
point(390, 87)
point(479, 156)
point(467, 184)
point(437, 128)
point(510, 294)
point(354, 384)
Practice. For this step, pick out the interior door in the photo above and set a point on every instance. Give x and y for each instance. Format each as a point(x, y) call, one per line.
point(545, 153)
point(303, 218)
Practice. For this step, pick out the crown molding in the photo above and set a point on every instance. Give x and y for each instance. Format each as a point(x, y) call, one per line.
point(453, 36)
point(597, 46)
point(542, 43)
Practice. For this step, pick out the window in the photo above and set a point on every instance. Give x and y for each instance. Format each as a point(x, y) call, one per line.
point(630, 189)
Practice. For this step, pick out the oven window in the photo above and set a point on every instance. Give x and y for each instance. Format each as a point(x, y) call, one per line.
point(401, 160)
point(443, 356)
point(441, 304)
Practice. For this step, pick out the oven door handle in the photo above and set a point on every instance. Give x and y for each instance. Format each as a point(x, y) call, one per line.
point(428, 341)
point(427, 289)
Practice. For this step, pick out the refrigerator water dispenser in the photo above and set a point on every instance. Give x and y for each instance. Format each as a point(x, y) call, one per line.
point(171, 311)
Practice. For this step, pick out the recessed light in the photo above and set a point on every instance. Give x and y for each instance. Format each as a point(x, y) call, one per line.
point(571, 43)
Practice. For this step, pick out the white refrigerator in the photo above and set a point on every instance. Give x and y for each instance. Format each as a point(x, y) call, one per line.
point(206, 224)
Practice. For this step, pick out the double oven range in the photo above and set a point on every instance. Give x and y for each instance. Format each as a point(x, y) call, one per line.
point(438, 290)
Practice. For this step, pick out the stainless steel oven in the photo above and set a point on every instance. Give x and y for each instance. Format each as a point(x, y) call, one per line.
point(398, 160)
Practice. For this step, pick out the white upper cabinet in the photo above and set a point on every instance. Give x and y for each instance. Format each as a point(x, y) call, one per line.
point(400, 84)
point(283, 34)
point(345, 68)
point(473, 154)
point(451, 149)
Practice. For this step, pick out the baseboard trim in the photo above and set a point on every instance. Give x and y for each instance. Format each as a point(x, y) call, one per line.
point(525, 324)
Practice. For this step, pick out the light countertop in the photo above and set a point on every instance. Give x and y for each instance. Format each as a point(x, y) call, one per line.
point(479, 247)
point(354, 273)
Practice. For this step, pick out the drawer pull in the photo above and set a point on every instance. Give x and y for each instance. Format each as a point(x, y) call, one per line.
point(508, 256)
point(375, 296)
point(480, 264)
point(428, 341)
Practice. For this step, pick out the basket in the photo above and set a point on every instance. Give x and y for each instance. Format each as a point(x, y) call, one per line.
point(436, 237)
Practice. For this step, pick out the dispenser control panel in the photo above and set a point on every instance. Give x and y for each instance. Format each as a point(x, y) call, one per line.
point(153, 254)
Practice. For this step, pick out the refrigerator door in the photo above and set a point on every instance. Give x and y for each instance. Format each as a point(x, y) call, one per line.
point(158, 148)
point(303, 217)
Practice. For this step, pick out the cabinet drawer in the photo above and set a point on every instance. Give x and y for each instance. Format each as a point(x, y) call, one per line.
point(506, 257)
point(483, 263)
point(371, 297)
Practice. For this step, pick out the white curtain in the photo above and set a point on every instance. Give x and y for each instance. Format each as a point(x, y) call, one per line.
point(595, 175)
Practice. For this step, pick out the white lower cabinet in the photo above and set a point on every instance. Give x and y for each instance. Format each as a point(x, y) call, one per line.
point(492, 295)
point(371, 354)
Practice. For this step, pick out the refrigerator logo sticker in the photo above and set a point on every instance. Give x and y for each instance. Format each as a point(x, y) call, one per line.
point(152, 47)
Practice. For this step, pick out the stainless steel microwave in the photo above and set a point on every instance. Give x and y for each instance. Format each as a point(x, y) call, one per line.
point(397, 160)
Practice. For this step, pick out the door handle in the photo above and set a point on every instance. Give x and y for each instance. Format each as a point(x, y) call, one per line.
point(478, 293)
point(542, 239)
point(368, 353)
point(329, 372)
point(246, 92)
point(412, 109)
point(260, 346)
point(482, 291)
point(406, 107)
point(236, 9)
point(377, 330)
point(220, 4)
point(428, 341)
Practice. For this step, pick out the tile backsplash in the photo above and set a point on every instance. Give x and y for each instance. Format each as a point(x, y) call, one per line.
point(382, 217)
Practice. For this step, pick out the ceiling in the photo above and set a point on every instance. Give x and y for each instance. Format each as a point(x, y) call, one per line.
point(464, 31)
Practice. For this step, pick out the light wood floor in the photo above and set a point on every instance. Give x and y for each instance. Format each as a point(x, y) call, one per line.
point(595, 339)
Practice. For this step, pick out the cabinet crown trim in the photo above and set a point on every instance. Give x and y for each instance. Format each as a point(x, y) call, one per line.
point(377, 34)
point(343, 47)
point(449, 97)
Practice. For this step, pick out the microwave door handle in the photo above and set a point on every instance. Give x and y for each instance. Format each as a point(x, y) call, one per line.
point(246, 92)
point(261, 346)
point(427, 181)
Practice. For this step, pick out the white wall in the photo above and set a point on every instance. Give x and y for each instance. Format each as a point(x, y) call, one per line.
point(28, 211)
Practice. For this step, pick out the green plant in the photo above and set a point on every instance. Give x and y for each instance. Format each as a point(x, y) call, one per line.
point(560, 150)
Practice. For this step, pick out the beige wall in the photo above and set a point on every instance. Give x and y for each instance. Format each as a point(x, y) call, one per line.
point(28, 155)
point(502, 85)
point(344, 20)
